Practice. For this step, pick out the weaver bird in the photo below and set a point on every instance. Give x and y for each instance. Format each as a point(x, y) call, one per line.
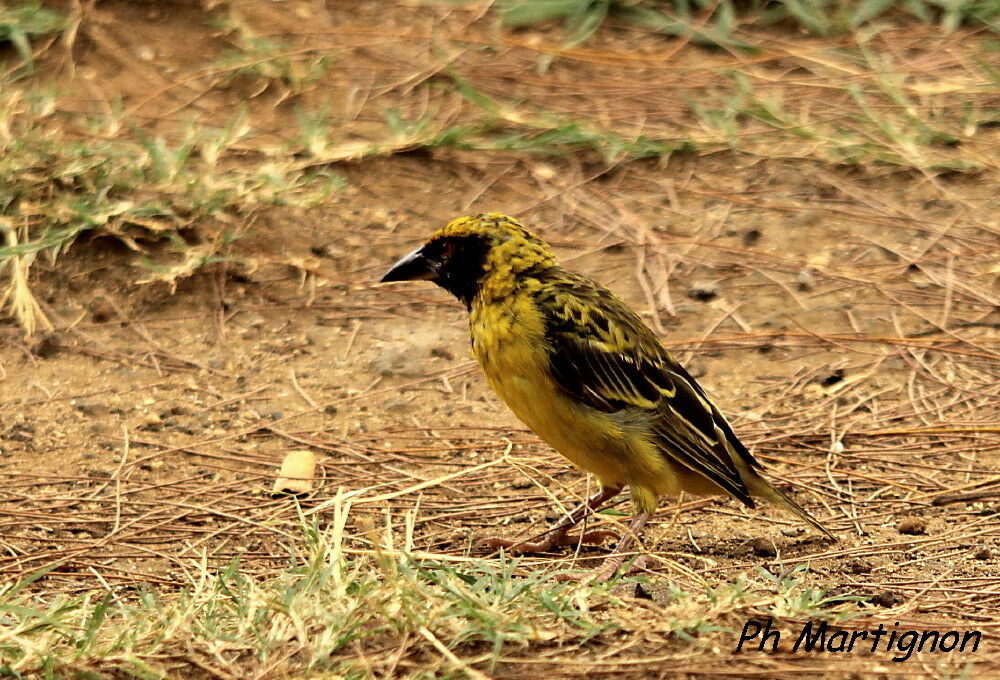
point(583, 371)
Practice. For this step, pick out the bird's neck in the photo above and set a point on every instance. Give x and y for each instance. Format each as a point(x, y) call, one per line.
point(505, 281)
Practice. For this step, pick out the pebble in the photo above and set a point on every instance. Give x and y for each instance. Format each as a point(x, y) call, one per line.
point(912, 526)
point(886, 599)
point(181, 410)
point(832, 378)
point(641, 593)
point(703, 292)
point(859, 566)
point(327, 250)
point(100, 428)
point(101, 311)
point(763, 547)
point(442, 353)
point(46, 348)
point(298, 470)
point(94, 409)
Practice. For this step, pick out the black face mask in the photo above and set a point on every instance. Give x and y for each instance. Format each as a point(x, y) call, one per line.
point(456, 263)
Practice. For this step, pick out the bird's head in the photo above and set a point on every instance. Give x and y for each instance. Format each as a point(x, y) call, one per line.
point(462, 254)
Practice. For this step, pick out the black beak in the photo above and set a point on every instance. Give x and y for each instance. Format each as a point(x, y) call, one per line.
point(411, 267)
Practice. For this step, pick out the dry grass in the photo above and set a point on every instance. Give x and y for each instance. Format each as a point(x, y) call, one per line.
point(880, 97)
point(66, 175)
point(385, 609)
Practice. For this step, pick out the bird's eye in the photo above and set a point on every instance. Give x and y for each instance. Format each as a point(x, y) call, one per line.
point(445, 249)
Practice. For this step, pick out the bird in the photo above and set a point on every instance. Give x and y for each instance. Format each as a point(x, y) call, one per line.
point(576, 365)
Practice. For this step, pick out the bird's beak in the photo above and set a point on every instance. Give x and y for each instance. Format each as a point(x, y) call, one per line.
point(413, 266)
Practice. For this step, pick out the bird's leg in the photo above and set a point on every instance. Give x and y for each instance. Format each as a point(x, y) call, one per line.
point(612, 563)
point(556, 536)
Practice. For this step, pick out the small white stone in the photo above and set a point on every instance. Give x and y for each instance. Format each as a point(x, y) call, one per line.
point(297, 473)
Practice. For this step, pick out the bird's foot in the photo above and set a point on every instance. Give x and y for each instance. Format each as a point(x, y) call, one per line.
point(549, 541)
point(606, 572)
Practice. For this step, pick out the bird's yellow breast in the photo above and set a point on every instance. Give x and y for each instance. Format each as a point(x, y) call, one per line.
point(508, 341)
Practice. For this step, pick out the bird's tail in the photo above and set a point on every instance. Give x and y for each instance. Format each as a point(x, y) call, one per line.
point(761, 487)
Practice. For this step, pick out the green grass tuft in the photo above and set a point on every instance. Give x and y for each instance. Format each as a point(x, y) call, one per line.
point(266, 60)
point(19, 25)
point(62, 177)
point(711, 22)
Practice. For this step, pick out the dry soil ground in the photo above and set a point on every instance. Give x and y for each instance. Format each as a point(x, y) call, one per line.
point(844, 315)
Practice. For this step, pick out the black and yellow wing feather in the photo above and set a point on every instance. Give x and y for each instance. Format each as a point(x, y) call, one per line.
point(603, 355)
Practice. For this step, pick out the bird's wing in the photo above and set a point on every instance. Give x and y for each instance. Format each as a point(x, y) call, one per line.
point(604, 356)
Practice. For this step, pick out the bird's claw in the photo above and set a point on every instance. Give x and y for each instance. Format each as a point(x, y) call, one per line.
point(607, 571)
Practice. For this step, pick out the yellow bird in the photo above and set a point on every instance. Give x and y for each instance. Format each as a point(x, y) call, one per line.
point(583, 371)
